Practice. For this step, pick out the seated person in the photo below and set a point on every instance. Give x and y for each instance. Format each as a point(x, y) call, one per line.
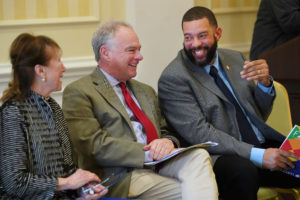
point(277, 22)
point(208, 93)
point(116, 125)
point(35, 151)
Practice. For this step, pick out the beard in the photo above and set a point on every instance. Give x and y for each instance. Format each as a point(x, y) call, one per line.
point(211, 51)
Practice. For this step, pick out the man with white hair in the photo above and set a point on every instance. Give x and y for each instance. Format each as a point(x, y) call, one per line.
point(116, 125)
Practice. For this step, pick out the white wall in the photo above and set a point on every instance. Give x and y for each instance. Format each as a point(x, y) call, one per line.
point(158, 25)
point(76, 67)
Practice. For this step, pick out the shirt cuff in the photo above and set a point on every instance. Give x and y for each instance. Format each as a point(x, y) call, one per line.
point(256, 156)
point(147, 157)
point(269, 90)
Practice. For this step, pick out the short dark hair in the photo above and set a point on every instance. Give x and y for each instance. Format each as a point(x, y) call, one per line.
point(199, 12)
point(26, 51)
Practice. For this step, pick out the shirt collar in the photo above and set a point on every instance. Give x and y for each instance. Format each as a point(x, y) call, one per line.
point(112, 80)
point(216, 64)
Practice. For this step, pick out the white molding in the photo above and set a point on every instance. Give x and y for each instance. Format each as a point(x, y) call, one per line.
point(49, 21)
point(242, 47)
point(75, 65)
point(5, 69)
point(52, 19)
point(76, 68)
point(241, 10)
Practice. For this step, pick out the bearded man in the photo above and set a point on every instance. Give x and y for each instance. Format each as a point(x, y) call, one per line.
point(212, 94)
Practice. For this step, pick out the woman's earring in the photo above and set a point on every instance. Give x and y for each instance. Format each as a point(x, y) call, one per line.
point(43, 79)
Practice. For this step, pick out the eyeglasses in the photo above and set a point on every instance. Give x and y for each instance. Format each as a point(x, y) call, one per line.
point(111, 180)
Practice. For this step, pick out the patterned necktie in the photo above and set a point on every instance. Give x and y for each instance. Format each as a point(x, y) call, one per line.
point(245, 128)
point(139, 114)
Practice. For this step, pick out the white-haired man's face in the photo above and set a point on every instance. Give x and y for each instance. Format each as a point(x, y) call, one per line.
point(122, 54)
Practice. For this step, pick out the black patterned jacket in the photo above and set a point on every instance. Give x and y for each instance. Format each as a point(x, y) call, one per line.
point(35, 150)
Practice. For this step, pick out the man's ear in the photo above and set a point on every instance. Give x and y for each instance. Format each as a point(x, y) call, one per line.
point(40, 71)
point(104, 52)
point(218, 33)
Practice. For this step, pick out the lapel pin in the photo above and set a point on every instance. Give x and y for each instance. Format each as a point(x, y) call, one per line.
point(227, 67)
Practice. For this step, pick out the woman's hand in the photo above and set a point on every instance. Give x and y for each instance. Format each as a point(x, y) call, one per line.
point(97, 192)
point(76, 180)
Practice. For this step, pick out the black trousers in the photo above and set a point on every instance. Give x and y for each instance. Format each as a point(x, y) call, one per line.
point(238, 178)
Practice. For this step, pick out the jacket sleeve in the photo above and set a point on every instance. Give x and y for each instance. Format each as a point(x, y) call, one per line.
point(185, 109)
point(264, 101)
point(16, 177)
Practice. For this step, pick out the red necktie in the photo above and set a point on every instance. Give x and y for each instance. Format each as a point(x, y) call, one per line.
point(139, 114)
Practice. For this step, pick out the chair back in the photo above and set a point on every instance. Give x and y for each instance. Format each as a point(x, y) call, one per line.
point(280, 118)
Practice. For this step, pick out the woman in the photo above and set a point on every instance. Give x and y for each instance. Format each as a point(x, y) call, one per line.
point(35, 159)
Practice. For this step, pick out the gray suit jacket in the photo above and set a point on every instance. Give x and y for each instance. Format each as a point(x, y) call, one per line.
point(197, 109)
point(103, 138)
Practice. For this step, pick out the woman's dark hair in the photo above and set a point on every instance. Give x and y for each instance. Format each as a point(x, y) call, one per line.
point(199, 12)
point(26, 51)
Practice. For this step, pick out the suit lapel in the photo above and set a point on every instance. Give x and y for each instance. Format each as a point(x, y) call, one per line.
point(104, 88)
point(232, 71)
point(204, 78)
